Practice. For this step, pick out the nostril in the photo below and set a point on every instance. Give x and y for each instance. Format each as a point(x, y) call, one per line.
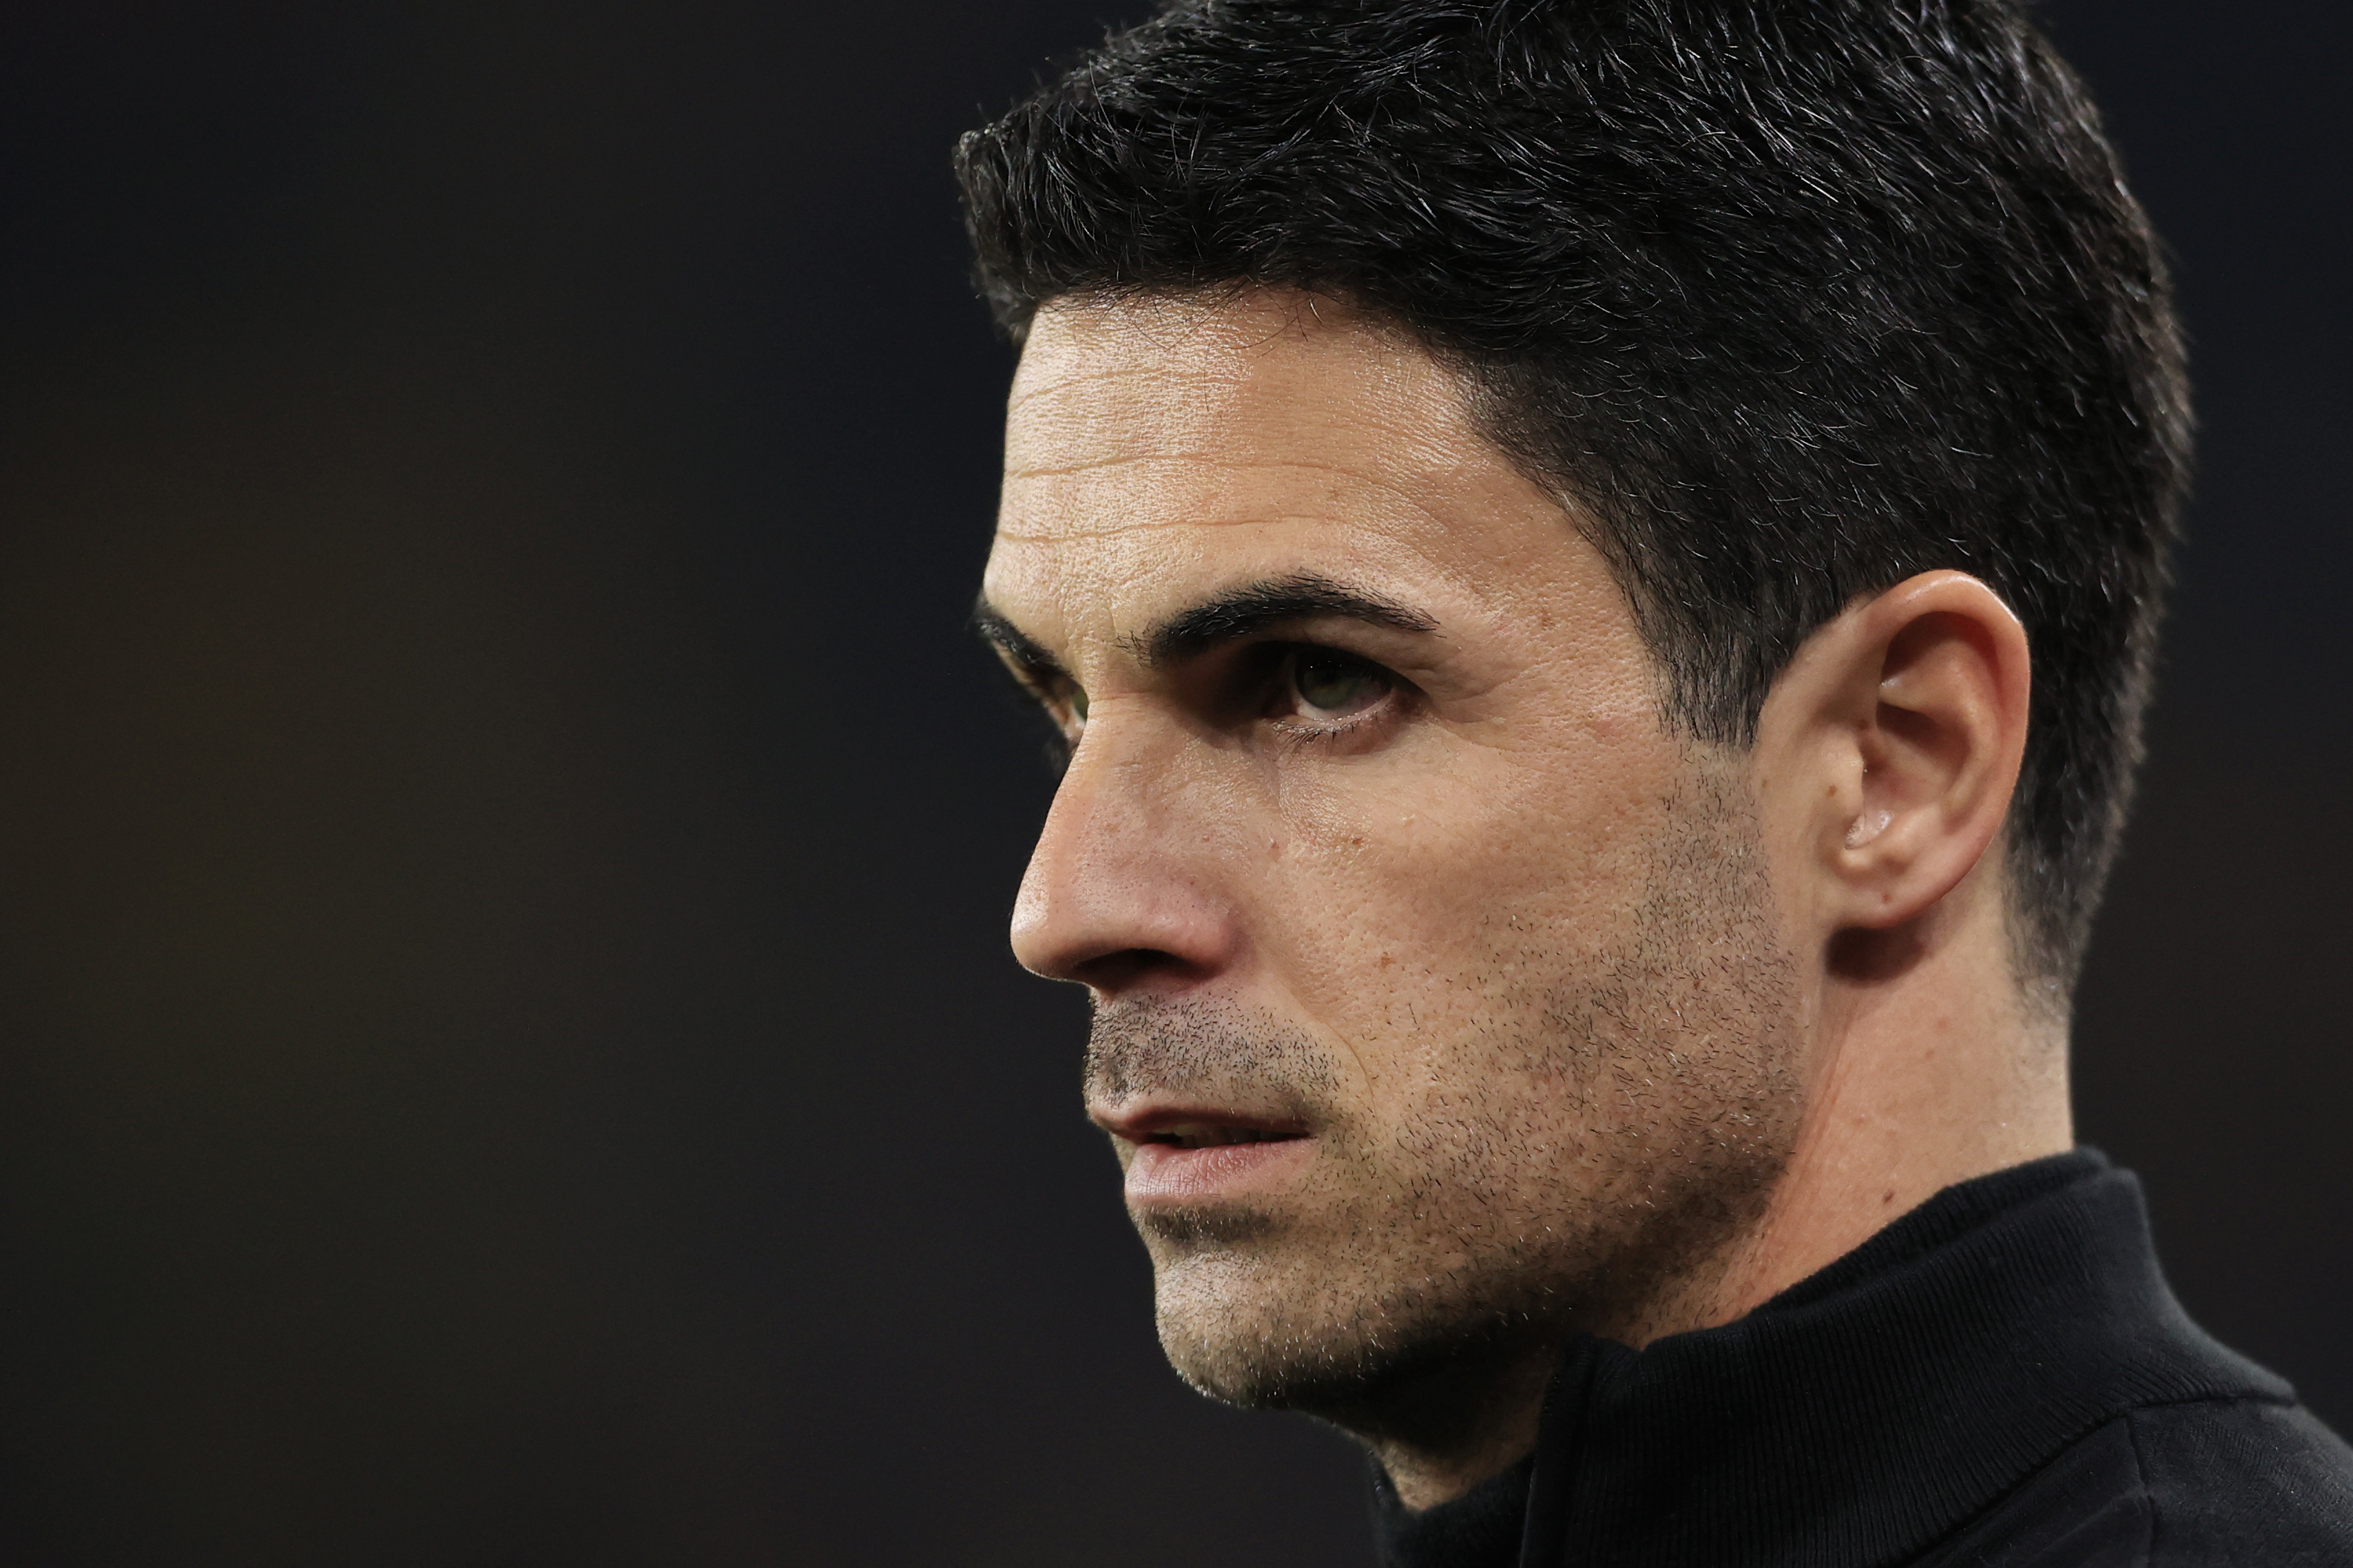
point(1133, 968)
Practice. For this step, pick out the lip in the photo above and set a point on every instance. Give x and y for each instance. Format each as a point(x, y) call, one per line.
point(1164, 1174)
point(1270, 1154)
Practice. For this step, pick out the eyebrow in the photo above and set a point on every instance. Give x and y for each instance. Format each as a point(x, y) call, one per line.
point(1225, 617)
point(1255, 608)
point(1024, 651)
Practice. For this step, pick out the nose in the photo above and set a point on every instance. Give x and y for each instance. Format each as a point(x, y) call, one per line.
point(1124, 892)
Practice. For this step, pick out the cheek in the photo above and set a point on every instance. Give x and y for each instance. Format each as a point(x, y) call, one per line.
point(1398, 916)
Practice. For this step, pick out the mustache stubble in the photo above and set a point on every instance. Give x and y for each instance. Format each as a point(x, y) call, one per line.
point(1153, 1044)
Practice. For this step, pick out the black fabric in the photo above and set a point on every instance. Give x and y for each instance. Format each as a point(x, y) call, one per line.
point(1998, 1378)
point(1483, 1526)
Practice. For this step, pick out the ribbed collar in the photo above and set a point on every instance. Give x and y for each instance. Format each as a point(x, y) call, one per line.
point(1869, 1410)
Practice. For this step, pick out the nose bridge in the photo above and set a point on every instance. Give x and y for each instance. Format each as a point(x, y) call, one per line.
point(1123, 865)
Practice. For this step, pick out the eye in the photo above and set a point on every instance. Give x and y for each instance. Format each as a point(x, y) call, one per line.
point(1330, 685)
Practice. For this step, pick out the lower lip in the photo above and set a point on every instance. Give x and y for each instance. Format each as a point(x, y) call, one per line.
point(1164, 1174)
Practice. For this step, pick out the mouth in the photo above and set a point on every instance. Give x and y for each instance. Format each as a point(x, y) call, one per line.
point(1212, 1135)
point(1193, 1159)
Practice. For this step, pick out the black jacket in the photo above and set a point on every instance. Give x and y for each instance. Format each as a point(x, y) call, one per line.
point(2000, 1377)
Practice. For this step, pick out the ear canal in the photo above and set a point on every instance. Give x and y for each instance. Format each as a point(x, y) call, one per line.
point(1867, 826)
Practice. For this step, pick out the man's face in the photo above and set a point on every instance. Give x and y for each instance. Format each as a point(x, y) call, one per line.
point(1437, 995)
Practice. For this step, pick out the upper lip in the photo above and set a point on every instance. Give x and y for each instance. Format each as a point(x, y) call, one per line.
point(1145, 1122)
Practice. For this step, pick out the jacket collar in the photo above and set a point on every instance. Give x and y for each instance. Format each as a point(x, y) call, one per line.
point(1872, 1408)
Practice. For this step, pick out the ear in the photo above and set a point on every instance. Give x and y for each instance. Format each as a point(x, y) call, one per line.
point(1889, 748)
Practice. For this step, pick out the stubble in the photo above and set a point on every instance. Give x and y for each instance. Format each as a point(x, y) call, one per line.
point(1609, 1125)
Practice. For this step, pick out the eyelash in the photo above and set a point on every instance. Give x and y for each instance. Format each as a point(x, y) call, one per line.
point(1276, 661)
point(1296, 737)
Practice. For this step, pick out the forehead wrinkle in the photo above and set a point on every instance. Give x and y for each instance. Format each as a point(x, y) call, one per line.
point(1341, 511)
point(1210, 460)
point(1377, 395)
point(1215, 315)
point(1081, 375)
point(1125, 529)
point(1377, 423)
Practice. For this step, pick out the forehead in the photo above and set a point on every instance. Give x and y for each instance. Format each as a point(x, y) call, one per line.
point(1159, 450)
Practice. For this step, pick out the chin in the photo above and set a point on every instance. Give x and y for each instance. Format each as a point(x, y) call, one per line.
point(1254, 1333)
point(1233, 1324)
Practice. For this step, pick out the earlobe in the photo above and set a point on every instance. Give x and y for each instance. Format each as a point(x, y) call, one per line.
point(1906, 720)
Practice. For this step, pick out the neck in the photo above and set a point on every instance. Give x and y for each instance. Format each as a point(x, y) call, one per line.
point(1925, 1070)
point(1928, 1069)
point(1440, 1431)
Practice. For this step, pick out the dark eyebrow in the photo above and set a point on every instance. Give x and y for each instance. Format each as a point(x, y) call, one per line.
point(1016, 644)
point(1235, 614)
point(1254, 607)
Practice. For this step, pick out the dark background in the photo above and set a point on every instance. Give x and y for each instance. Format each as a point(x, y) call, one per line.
point(507, 1053)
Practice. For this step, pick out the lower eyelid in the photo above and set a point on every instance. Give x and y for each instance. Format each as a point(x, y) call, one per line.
point(1307, 730)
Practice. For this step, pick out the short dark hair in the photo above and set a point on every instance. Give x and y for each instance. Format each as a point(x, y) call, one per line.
point(1796, 297)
